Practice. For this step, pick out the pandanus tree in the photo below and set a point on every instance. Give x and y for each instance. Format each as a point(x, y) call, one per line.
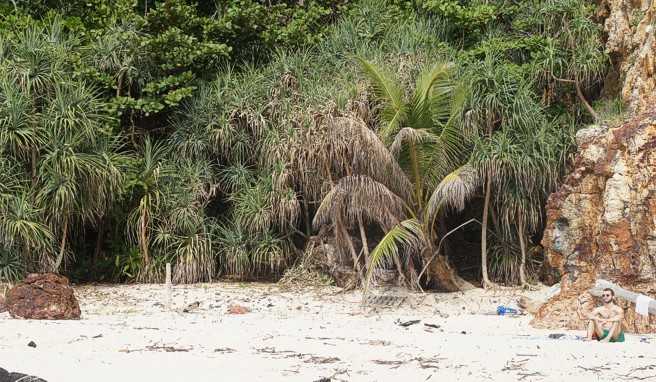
point(407, 174)
point(518, 153)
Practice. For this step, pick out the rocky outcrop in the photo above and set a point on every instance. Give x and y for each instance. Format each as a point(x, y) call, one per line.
point(6, 376)
point(631, 42)
point(43, 297)
point(601, 223)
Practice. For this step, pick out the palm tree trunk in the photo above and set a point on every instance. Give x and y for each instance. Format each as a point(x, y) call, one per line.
point(445, 277)
point(62, 247)
point(354, 254)
point(416, 175)
point(522, 245)
point(365, 243)
point(486, 207)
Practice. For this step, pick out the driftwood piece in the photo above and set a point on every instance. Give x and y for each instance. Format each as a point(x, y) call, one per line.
point(619, 293)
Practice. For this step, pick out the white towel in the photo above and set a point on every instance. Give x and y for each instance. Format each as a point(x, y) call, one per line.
point(642, 304)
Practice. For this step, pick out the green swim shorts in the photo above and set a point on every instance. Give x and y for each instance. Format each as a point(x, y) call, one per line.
point(620, 338)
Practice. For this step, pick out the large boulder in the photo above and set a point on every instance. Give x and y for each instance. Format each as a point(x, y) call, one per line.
point(43, 297)
point(630, 27)
point(601, 223)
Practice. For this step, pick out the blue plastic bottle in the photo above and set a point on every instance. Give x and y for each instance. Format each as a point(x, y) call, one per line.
point(503, 310)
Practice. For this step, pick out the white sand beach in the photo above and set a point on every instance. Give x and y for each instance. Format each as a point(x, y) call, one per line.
point(138, 333)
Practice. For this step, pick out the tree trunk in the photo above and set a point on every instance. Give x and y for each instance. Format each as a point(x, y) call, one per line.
point(443, 230)
point(585, 103)
point(144, 238)
point(339, 226)
point(486, 207)
point(440, 271)
point(522, 245)
point(99, 240)
point(365, 244)
point(62, 247)
point(416, 175)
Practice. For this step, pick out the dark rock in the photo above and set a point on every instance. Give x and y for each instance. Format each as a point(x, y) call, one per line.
point(43, 297)
point(6, 376)
point(13, 377)
point(31, 344)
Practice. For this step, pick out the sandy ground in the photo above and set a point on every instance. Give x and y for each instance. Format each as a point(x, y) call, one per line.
point(140, 333)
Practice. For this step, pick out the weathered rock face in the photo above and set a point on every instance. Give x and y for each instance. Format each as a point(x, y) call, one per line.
point(601, 223)
point(43, 297)
point(630, 26)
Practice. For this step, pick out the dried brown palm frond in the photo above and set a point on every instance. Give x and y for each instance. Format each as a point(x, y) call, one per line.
point(360, 196)
point(410, 135)
point(454, 190)
point(353, 143)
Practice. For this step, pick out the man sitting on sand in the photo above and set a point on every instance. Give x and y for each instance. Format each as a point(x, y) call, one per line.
point(605, 322)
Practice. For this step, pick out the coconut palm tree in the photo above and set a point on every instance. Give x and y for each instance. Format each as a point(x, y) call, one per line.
point(406, 175)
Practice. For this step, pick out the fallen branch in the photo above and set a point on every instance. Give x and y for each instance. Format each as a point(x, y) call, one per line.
point(620, 292)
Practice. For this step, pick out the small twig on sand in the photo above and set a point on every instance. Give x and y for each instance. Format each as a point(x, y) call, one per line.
point(396, 364)
point(526, 375)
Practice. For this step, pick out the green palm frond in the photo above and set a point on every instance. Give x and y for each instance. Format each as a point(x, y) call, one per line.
point(390, 93)
point(407, 234)
point(432, 95)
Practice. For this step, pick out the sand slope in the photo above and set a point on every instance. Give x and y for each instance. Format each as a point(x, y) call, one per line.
point(138, 333)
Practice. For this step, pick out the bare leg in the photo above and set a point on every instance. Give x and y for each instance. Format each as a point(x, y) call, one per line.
point(613, 333)
point(594, 328)
point(591, 330)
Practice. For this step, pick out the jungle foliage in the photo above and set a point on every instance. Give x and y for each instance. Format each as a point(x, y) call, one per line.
point(223, 136)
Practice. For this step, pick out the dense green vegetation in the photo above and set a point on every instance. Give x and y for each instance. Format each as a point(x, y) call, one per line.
point(221, 136)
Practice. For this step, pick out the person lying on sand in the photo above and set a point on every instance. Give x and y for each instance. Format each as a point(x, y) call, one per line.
point(605, 322)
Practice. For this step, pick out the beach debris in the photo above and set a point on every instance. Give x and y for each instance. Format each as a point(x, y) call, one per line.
point(224, 350)
point(238, 309)
point(166, 348)
point(431, 325)
point(379, 343)
point(463, 332)
point(555, 336)
point(191, 307)
point(45, 296)
point(321, 360)
point(405, 324)
point(395, 363)
point(31, 344)
point(429, 363)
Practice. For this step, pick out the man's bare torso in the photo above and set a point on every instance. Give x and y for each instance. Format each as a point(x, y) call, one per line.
point(606, 312)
